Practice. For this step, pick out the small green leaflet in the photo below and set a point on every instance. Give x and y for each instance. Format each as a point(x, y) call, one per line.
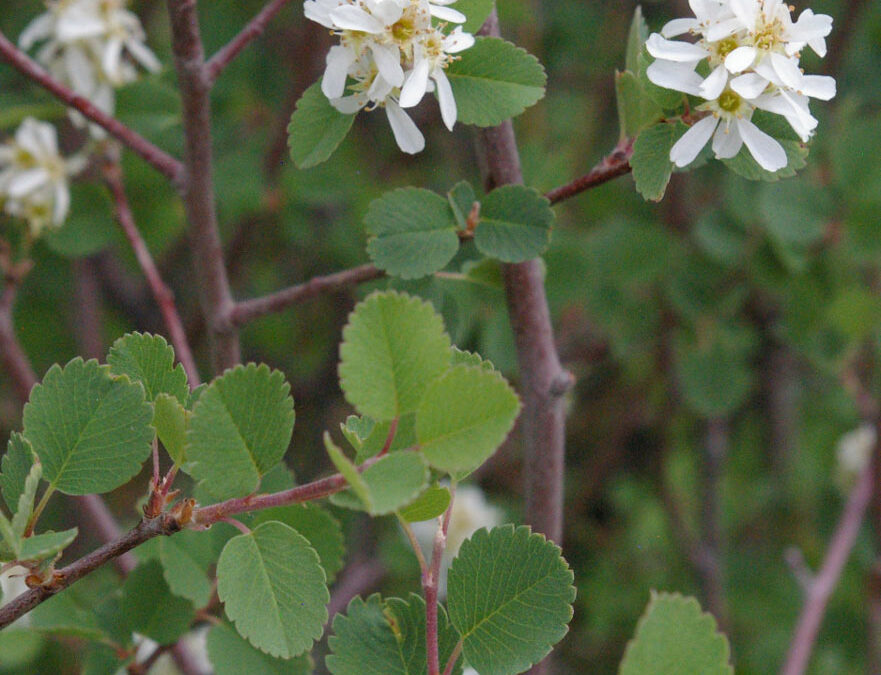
point(274, 589)
point(674, 636)
point(461, 198)
point(186, 557)
point(150, 607)
point(240, 428)
point(393, 346)
point(14, 469)
point(91, 430)
point(149, 359)
point(515, 224)
point(376, 637)
point(464, 417)
point(231, 654)
point(430, 504)
point(316, 128)
point(171, 420)
point(636, 37)
point(413, 232)
point(494, 80)
point(46, 545)
point(651, 158)
point(26, 500)
point(525, 591)
point(636, 110)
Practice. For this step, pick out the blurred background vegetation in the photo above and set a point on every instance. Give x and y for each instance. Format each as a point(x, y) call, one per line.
point(712, 335)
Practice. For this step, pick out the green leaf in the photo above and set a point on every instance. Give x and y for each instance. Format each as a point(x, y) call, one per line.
point(476, 12)
point(171, 420)
point(90, 430)
point(414, 232)
point(462, 357)
point(651, 158)
point(464, 416)
point(240, 428)
point(46, 544)
point(323, 531)
point(14, 469)
point(461, 198)
point(26, 500)
point(274, 589)
point(386, 638)
point(744, 165)
point(231, 654)
point(515, 224)
point(186, 557)
point(494, 80)
point(316, 128)
point(525, 591)
point(348, 471)
point(636, 110)
point(715, 374)
point(149, 359)
point(393, 346)
point(673, 637)
point(636, 37)
point(150, 606)
point(430, 504)
point(668, 99)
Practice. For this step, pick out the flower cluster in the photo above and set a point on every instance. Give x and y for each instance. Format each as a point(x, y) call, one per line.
point(752, 49)
point(92, 46)
point(33, 176)
point(393, 55)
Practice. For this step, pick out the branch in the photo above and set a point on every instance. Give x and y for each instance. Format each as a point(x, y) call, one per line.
point(163, 295)
point(198, 185)
point(253, 30)
point(709, 561)
point(543, 380)
point(163, 525)
point(826, 579)
point(153, 155)
point(616, 163)
point(14, 359)
point(248, 310)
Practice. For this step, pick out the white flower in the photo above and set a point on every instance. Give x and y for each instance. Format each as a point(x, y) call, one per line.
point(471, 512)
point(12, 584)
point(752, 50)
point(389, 56)
point(33, 176)
point(853, 454)
point(92, 46)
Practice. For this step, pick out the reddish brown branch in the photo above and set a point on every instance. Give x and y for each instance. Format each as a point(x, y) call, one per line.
point(161, 292)
point(615, 164)
point(157, 158)
point(248, 310)
point(253, 30)
point(198, 185)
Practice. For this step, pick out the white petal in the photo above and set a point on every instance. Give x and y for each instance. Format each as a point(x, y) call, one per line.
point(678, 76)
point(379, 89)
point(722, 29)
point(679, 27)
point(445, 98)
point(765, 150)
point(447, 14)
point(740, 59)
point(142, 54)
point(27, 181)
point(60, 203)
point(766, 70)
point(319, 11)
point(457, 41)
point(38, 29)
point(80, 71)
point(110, 57)
point(726, 141)
point(715, 83)
point(414, 88)
point(386, 12)
point(692, 142)
point(818, 86)
point(388, 61)
point(818, 45)
point(787, 70)
point(339, 58)
point(79, 25)
point(673, 50)
point(349, 105)
point(350, 17)
point(746, 11)
point(749, 85)
point(407, 134)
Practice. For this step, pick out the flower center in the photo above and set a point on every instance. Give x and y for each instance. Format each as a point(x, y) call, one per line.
point(729, 101)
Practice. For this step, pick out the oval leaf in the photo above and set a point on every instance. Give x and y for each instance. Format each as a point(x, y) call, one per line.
point(393, 346)
point(90, 430)
point(495, 80)
point(526, 595)
point(149, 359)
point(414, 232)
point(515, 224)
point(14, 469)
point(464, 416)
point(231, 654)
point(150, 607)
point(316, 128)
point(274, 589)
point(240, 428)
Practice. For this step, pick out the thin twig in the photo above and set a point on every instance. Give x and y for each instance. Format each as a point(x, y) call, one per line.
point(153, 155)
point(14, 359)
point(198, 188)
point(827, 578)
point(454, 656)
point(161, 292)
point(254, 29)
point(430, 580)
point(710, 554)
point(616, 163)
point(248, 310)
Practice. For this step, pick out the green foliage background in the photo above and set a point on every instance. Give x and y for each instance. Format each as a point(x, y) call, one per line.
point(728, 300)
